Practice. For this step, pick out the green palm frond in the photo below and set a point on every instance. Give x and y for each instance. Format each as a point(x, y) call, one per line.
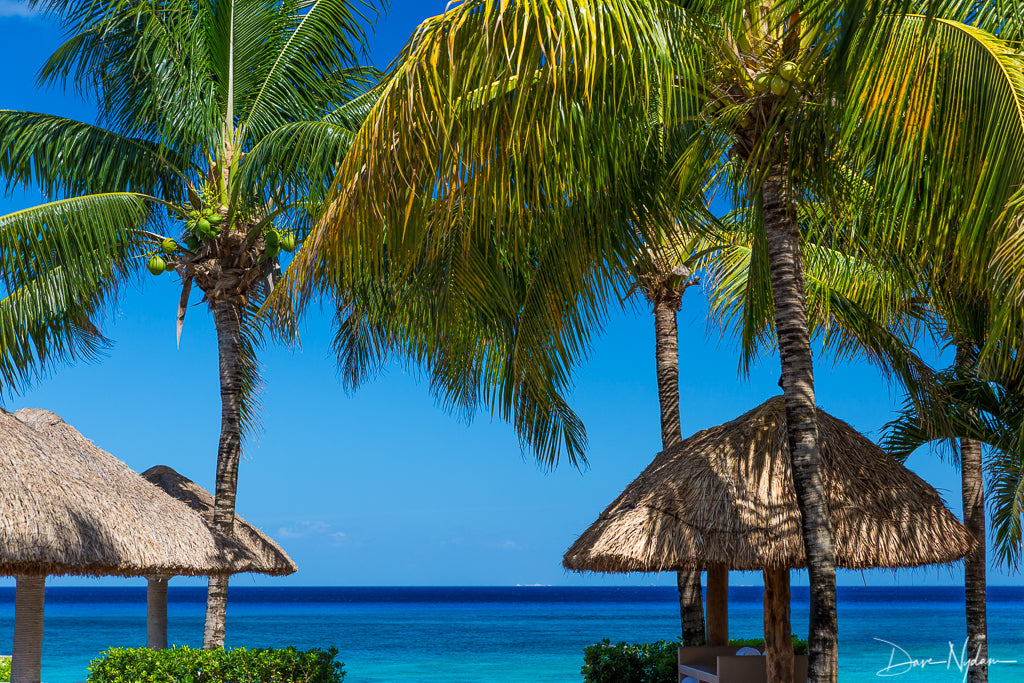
point(969, 407)
point(96, 238)
point(426, 159)
point(938, 111)
point(65, 157)
point(309, 68)
point(481, 331)
point(302, 157)
point(59, 264)
point(41, 327)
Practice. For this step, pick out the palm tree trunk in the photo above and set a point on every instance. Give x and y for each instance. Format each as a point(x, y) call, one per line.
point(227, 316)
point(787, 280)
point(156, 612)
point(666, 352)
point(974, 520)
point(26, 655)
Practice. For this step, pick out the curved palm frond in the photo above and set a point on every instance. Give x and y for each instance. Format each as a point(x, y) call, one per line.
point(64, 157)
point(314, 65)
point(59, 264)
point(938, 111)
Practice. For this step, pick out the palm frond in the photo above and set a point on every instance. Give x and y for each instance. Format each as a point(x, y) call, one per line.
point(65, 157)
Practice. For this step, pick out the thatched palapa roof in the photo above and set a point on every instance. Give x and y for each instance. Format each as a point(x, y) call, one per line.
point(270, 557)
point(68, 507)
point(725, 497)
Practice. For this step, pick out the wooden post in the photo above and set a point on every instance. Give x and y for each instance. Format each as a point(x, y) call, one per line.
point(777, 634)
point(718, 606)
point(28, 629)
point(156, 612)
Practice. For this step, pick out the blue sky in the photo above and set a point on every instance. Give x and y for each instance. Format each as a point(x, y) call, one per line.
point(382, 487)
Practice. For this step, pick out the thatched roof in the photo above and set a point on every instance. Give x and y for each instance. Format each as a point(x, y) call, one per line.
point(725, 497)
point(68, 507)
point(271, 559)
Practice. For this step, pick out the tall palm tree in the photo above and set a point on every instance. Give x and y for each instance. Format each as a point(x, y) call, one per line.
point(525, 120)
point(219, 124)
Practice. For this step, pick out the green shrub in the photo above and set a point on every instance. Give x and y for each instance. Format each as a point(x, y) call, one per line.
point(630, 662)
point(647, 662)
point(799, 646)
point(240, 665)
point(5, 668)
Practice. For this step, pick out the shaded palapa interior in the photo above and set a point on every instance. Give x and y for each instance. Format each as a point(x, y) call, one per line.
point(69, 507)
point(270, 558)
point(725, 497)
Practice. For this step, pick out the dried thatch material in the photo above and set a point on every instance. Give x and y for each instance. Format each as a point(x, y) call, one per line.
point(725, 497)
point(269, 557)
point(68, 507)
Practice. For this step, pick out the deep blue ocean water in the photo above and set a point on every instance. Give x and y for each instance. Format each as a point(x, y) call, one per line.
point(513, 635)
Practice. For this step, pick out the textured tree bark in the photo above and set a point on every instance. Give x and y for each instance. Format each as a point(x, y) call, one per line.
point(666, 352)
point(974, 520)
point(156, 612)
point(778, 638)
point(29, 600)
point(718, 606)
point(787, 280)
point(227, 315)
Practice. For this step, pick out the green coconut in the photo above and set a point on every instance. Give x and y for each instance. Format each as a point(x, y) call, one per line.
point(156, 265)
point(207, 212)
point(288, 241)
point(779, 85)
point(169, 267)
point(215, 219)
point(169, 246)
point(272, 239)
point(272, 252)
point(205, 228)
point(789, 71)
point(762, 83)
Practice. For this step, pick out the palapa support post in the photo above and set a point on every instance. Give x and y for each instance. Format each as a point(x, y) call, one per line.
point(29, 601)
point(156, 612)
point(778, 638)
point(718, 606)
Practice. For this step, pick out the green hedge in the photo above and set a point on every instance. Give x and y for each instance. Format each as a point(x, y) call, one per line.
point(647, 662)
point(5, 668)
point(239, 665)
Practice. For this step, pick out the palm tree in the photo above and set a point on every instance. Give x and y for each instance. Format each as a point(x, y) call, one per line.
point(220, 123)
point(527, 120)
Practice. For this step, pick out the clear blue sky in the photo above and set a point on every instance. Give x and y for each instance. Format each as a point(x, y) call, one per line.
point(382, 487)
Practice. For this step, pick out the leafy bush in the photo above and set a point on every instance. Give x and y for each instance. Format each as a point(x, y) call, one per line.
point(630, 662)
point(5, 668)
point(647, 662)
point(240, 665)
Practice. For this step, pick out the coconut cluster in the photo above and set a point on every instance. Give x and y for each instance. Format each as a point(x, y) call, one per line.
point(202, 227)
point(778, 82)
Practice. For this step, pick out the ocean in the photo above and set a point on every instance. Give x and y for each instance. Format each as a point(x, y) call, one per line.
point(516, 634)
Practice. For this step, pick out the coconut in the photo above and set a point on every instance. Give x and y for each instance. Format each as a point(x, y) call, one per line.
point(215, 219)
point(762, 83)
point(169, 267)
point(789, 71)
point(288, 241)
point(156, 265)
point(271, 239)
point(272, 252)
point(779, 85)
point(169, 246)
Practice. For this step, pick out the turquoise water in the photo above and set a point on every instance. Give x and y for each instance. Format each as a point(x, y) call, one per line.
point(512, 635)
